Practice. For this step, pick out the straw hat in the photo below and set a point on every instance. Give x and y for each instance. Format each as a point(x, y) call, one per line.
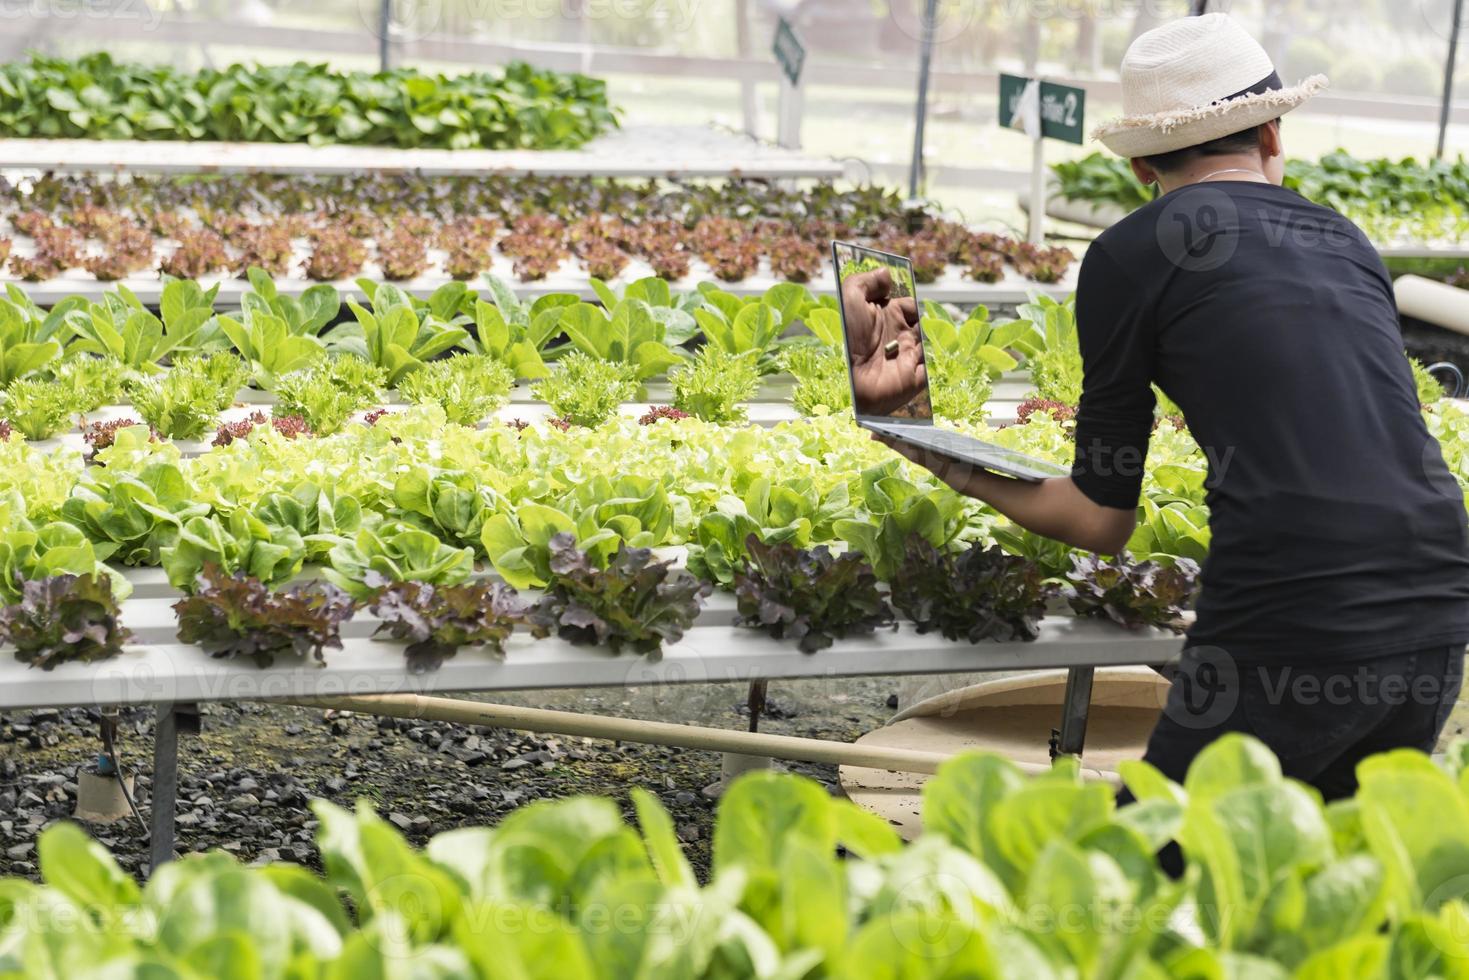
point(1193, 80)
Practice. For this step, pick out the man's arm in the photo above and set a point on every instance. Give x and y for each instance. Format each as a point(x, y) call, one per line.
point(1054, 508)
point(1096, 507)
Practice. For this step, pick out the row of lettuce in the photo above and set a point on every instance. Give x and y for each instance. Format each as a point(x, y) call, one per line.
point(1013, 878)
point(820, 532)
point(180, 368)
point(94, 97)
point(1390, 199)
point(276, 542)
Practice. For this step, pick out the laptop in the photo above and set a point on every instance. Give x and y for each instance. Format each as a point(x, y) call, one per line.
point(885, 364)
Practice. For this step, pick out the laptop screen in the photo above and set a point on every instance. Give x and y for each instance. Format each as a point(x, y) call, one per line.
point(884, 343)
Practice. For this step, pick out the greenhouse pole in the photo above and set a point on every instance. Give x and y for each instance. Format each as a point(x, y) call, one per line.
point(925, 61)
point(384, 29)
point(1448, 77)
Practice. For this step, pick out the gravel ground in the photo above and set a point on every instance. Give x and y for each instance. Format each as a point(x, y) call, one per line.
point(245, 781)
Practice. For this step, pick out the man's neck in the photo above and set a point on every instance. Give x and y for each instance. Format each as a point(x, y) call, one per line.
point(1233, 166)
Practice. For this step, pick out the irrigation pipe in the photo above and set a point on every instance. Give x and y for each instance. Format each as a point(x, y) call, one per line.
point(543, 721)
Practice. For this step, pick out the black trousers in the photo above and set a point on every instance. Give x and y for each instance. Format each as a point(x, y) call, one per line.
point(1321, 720)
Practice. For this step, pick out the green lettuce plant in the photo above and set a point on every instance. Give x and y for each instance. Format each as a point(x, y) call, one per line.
point(602, 513)
point(1055, 369)
point(396, 335)
point(306, 315)
point(329, 391)
point(823, 386)
point(93, 381)
point(39, 409)
point(584, 390)
point(266, 341)
point(1015, 876)
point(517, 106)
point(24, 349)
point(1430, 389)
point(395, 552)
point(629, 335)
point(794, 511)
point(131, 513)
point(715, 385)
point(121, 328)
point(184, 403)
point(896, 510)
point(241, 542)
point(959, 392)
point(322, 517)
point(469, 388)
point(31, 339)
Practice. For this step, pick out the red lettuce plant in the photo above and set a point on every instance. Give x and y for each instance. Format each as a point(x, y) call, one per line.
point(239, 616)
point(265, 247)
point(438, 620)
point(1131, 593)
point(290, 426)
point(337, 254)
point(658, 412)
point(99, 435)
point(402, 254)
point(810, 596)
point(1060, 411)
point(64, 618)
point(979, 594)
point(636, 603)
point(200, 252)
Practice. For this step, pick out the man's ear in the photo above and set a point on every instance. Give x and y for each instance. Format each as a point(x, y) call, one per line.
point(1270, 142)
point(1145, 174)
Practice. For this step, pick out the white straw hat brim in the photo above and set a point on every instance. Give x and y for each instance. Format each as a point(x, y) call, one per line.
point(1164, 132)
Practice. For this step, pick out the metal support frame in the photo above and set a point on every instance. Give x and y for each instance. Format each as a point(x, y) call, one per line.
point(1448, 77)
point(1075, 707)
point(384, 35)
point(920, 115)
point(172, 719)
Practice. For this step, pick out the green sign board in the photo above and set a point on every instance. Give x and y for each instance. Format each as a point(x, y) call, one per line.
point(789, 51)
point(1062, 107)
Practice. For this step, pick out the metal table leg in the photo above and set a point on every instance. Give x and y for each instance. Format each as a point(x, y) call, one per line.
point(173, 718)
point(1074, 709)
point(165, 784)
point(733, 764)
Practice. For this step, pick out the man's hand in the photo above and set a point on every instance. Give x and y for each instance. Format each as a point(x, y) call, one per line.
point(1054, 507)
point(886, 352)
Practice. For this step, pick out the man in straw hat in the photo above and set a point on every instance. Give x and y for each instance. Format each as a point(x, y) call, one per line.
point(1335, 603)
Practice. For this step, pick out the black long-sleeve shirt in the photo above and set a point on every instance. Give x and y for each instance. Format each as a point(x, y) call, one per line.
point(1337, 530)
